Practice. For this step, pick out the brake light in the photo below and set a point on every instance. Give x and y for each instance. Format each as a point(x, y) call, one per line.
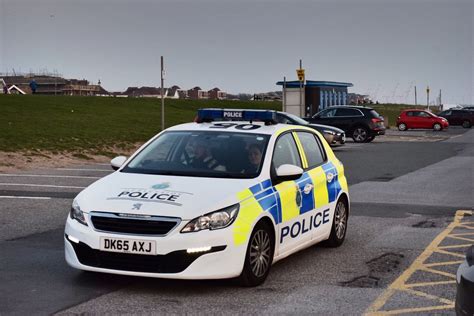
point(376, 120)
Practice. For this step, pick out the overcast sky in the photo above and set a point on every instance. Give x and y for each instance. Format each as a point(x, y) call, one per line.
point(384, 47)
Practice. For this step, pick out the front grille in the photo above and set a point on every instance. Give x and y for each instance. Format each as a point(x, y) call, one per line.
point(110, 222)
point(174, 262)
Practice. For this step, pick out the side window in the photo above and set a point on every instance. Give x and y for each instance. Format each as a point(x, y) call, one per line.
point(286, 152)
point(446, 113)
point(312, 149)
point(347, 112)
point(328, 113)
point(424, 114)
point(410, 114)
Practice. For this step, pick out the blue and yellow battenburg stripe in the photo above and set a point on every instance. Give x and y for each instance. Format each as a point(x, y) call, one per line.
point(282, 201)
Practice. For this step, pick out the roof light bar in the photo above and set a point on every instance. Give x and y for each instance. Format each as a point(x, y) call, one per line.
point(209, 115)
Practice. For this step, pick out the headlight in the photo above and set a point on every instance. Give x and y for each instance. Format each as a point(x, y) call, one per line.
point(215, 220)
point(329, 132)
point(77, 214)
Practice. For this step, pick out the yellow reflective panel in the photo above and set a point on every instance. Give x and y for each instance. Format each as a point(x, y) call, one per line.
point(289, 208)
point(321, 196)
point(341, 176)
point(304, 161)
point(249, 211)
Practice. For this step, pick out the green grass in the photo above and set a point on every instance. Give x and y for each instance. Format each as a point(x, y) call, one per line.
point(100, 125)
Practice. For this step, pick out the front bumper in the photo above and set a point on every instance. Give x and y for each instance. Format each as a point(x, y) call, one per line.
point(223, 260)
point(465, 290)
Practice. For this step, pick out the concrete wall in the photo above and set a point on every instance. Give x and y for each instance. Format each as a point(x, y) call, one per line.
point(292, 104)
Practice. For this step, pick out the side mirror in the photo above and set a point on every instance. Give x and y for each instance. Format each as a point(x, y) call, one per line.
point(117, 162)
point(288, 173)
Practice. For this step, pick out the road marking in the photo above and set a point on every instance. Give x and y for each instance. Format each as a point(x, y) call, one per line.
point(401, 283)
point(41, 185)
point(44, 176)
point(25, 197)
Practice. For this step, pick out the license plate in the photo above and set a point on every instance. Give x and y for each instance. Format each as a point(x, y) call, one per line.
point(125, 245)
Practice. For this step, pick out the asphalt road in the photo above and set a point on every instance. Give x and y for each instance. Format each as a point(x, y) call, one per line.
point(405, 190)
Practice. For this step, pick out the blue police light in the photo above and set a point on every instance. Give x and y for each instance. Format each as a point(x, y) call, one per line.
point(209, 115)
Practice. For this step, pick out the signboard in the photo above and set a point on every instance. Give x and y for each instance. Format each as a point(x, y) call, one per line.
point(300, 74)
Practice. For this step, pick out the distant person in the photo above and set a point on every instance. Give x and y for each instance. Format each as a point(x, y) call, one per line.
point(5, 89)
point(33, 86)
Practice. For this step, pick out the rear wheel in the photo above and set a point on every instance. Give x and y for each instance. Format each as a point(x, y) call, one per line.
point(437, 127)
point(360, 134)
point(339, 224)
point(402, 127)
point(466, 124)
point(259, 256)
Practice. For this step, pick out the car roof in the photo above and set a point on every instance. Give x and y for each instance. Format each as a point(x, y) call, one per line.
point(264, 129)
point(349, 107)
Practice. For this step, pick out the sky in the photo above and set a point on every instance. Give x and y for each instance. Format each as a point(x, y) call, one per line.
point(383, 47)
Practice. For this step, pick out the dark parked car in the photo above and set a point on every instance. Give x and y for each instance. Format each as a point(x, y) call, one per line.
point(363, 124)
point(332, 134)
point(459, 117)
point(465, 285)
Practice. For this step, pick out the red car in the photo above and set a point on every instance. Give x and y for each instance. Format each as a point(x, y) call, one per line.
point(420, 119)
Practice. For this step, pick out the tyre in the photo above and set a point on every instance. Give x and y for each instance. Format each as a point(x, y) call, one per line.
point(402, 127)
point(339, 224)
point(360, 134)
point(437, 127)
point(369, 139)
point(259, 256)
point(466, 124)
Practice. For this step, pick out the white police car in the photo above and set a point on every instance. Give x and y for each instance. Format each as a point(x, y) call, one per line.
point(212, 199)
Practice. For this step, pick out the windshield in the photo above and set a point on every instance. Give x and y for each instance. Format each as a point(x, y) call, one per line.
point(202, 154)
point(297, 119)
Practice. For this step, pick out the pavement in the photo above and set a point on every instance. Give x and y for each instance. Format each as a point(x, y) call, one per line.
point(405, 194)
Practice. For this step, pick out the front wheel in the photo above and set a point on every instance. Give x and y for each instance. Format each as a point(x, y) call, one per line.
point(360, 134)
point(466, 124)
point(259, 256)
point(339, 224)
point(437, 127)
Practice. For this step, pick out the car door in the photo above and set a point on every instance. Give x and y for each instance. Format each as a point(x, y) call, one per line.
point(314, 185)
point(325, 117)
point(347, 118)
point(292, 230)
point(425, 120)
point(409, 119)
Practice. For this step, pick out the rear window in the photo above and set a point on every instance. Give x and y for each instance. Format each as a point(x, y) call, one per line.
point(375, 113)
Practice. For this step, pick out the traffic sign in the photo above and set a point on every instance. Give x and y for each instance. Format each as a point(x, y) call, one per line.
point(300, 74)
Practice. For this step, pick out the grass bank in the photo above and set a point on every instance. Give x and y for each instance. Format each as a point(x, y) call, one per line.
point(99, 125)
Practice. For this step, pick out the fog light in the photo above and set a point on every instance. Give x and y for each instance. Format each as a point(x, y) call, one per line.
point(73, 239)
point(199, 249)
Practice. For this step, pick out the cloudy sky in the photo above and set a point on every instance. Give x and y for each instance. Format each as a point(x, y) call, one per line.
point(384, 47)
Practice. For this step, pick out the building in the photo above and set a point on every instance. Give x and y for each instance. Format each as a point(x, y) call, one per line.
point(52, 85)
point(315, 96)
point(197, 93)
point(216, 94)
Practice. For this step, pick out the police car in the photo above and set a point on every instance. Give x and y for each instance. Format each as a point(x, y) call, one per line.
point(226, 196)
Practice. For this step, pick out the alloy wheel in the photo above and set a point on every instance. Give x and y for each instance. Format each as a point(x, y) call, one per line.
point(360, 134)
point(260, 249)
point(340, 220)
